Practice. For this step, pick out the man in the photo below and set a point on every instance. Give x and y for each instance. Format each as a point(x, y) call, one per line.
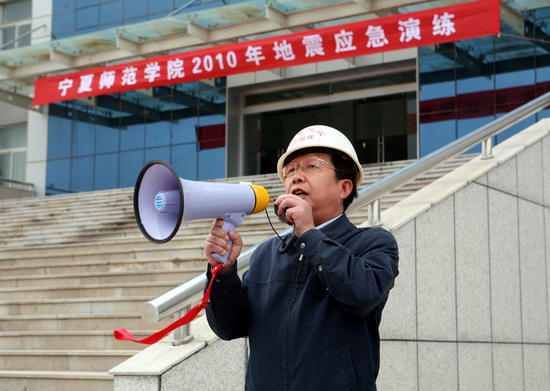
point(311, 314)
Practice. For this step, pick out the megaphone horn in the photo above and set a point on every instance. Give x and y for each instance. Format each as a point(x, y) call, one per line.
point(163, 200)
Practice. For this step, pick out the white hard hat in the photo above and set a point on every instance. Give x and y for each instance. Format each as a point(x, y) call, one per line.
point(325, 137)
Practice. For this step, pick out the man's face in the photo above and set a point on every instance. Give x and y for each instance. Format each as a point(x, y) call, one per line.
point(319, 187)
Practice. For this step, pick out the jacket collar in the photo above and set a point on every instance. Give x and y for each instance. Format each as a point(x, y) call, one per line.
point(338, 227)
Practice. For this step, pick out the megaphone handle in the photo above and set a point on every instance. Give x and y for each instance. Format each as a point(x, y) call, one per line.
point(231, 221)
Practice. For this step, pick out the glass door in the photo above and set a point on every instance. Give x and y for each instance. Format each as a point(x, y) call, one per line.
point(385, 128)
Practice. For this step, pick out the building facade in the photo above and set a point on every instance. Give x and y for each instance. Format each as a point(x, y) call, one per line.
point(393, 105)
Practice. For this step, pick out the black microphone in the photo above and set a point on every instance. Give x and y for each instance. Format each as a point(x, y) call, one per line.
point(285, 246)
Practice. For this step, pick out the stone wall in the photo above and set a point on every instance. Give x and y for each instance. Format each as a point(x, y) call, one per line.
point(470, 309)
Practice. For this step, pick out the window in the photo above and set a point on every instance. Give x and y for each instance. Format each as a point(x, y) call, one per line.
point(16, 23)
point(13, 152)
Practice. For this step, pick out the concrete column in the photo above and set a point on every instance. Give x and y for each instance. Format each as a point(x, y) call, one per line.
point(37, 150)
point(37, 123)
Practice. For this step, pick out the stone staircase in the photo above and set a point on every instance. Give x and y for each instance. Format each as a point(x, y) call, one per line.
point(75, 267)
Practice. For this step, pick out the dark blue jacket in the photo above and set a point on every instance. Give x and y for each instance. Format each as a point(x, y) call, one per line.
point(311, 315)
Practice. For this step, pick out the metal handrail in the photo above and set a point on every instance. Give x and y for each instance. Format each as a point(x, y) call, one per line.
point(22, 36)
point(24, 185)
point(177, 298)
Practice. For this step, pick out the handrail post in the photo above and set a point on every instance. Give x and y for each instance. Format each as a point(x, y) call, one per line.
point(373, 213)
point(487, 148)
point(182, 335)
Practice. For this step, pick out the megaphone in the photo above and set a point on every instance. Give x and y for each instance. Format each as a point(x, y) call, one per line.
point(163, 200)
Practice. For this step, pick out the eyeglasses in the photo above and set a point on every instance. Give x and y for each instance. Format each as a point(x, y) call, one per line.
point(309, 164)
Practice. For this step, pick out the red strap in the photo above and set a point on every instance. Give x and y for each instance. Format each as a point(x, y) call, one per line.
point(123, 334)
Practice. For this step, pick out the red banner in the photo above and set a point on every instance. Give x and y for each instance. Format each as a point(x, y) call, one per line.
point(395, 32)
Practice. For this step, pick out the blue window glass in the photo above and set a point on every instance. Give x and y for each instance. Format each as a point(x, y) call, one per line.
point(83, 140)
point(474, 84)
point(132, 137)
point(106, 171)
point(110, 12)
point(62, 5)
point(134, 9)
point(59, 138)
point(57, 176)
point(135, 20)
point(515, 79)
point(82, 178)
point(179, 3)
point(157, 134)
point(184, 131)
point(85, 3)
point(211, 120)
point(184, 160)
point(87, 30)
point(475, 104)
point(543, 74)
point(87, 17)
point(106, 139)
point(435, 135)
point(157, 154)
point(63, 22)
point(437, 90)
point(166, 6)
point(212, 164)
point(130, 165)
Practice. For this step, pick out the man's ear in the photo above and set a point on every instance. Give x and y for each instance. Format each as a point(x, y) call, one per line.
point(346, 187)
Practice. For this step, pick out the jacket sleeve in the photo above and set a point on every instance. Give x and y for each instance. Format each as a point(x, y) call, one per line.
point(358, 275)
point(227, 312)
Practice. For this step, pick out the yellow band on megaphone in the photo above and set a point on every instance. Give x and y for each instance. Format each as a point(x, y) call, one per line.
point(262, 198)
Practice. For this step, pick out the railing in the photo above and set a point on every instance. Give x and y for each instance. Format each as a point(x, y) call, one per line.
point(15, 184)
point(177, 299)
point(22, 36)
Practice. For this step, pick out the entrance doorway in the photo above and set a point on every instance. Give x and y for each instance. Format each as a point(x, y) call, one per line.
point(382, 128)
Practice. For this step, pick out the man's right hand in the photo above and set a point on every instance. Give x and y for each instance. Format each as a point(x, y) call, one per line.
point(217, 243)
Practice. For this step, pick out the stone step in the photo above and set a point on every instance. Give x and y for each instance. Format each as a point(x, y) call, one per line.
point(78, 322)
point(151, 289)
point(192, 248)
point(56, 237)
point(131, 234)
point(67, 360)
point(26, 268)
point(180, 248)
point(71, 232)
point(55, 380)
point(47, 212)
point(58, 340)
point(83, 306)
point(57, 280)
